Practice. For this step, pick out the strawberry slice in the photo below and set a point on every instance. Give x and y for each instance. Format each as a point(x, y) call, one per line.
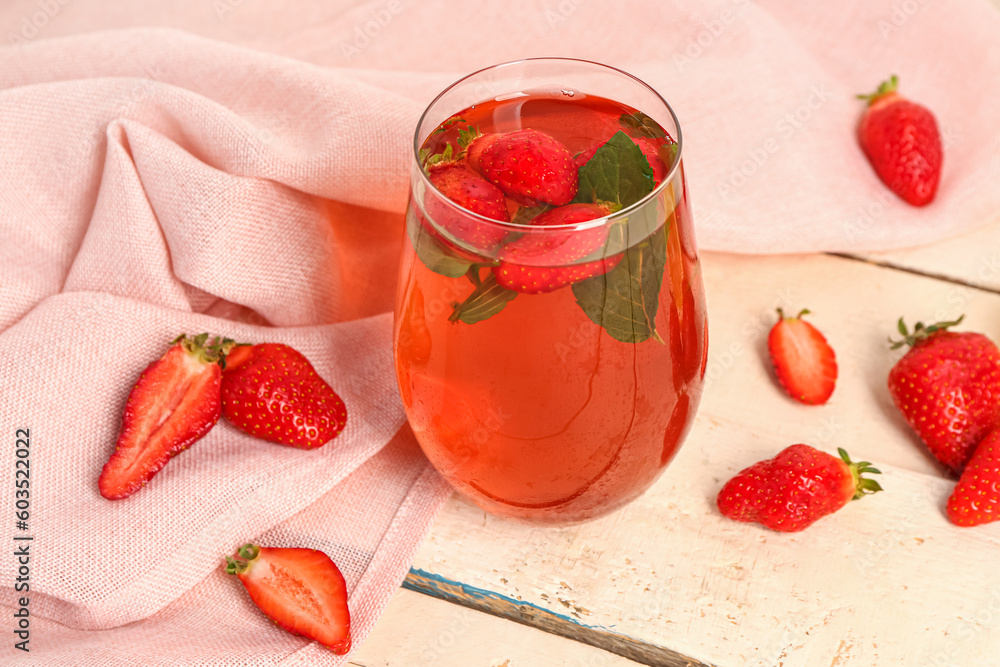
point(301, 590)
point(803, 361)
point(271, 391)
point(174, 403)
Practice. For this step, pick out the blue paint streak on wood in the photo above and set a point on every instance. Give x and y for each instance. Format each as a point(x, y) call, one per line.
point(437, 584)
point(542, 619)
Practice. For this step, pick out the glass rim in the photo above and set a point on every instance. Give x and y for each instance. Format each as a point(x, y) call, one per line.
point(579, 226)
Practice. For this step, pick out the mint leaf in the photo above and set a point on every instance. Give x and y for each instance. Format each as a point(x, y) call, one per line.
point(488, 299)
point(671, 153)
point(618, 173)
point(624, 300)
point(643, 124)
point(640, 223)
point(433, 255)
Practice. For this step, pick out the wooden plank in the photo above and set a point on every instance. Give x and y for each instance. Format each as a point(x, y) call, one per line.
point(971, 259)
point(886, 581)
point(418, 630)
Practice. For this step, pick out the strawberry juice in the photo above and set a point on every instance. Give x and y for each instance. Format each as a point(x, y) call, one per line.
point(563, 404)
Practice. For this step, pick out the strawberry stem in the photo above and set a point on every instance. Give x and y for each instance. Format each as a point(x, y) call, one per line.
point(804, 311)
point(862, 485)
point(473, 274)
point(208, 353)
point(920, 332)
point(247, 553)
point(487, 294)
point(885, 88)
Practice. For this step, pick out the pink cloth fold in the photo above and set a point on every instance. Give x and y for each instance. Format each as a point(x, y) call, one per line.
point(242, 168)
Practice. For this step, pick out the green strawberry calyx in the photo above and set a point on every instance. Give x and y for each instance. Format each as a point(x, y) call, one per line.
point(920, 332)
point(466, 136)
point(863, 486)
point(885, 88)
point(246, 553)
point(207, 352)
point(781, 314)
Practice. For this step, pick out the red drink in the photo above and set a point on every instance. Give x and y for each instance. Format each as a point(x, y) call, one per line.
point(546, 408)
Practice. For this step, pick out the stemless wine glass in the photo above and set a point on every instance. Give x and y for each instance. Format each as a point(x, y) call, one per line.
point(550, 372)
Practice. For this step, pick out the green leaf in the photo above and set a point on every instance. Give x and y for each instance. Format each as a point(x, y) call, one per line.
point(618, 173)
point(452, 121)
point(467, 135)
point(671, 153)
point(624, 301)
point(433, 255)
point(443, 127)
point(641, 123)
point(443, 156)
point(488, 299)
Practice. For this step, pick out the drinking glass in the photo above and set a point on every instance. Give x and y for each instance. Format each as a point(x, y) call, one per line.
point(558, 405)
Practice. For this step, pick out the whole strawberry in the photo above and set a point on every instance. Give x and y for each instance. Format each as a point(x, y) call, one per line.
point(544, 262)
point(902, 142)
point(173, 404)
point(272, 392)
point(530, 166)
point(804, 362)
point(472, 193)
point(976, 499)
point(948, 388)
point(795, 489)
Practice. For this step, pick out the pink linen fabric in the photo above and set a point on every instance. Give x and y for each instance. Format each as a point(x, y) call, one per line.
point(241, 167)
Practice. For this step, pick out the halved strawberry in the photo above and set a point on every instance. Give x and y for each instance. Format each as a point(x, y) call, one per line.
point(804, 362)
point(174, 403)
point(271, 391)
point(301, 590)
point(544, 262)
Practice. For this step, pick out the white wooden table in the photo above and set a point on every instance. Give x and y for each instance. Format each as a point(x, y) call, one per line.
point(668, 581)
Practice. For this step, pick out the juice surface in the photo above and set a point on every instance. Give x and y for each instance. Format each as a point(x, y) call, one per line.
point(537, 412)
